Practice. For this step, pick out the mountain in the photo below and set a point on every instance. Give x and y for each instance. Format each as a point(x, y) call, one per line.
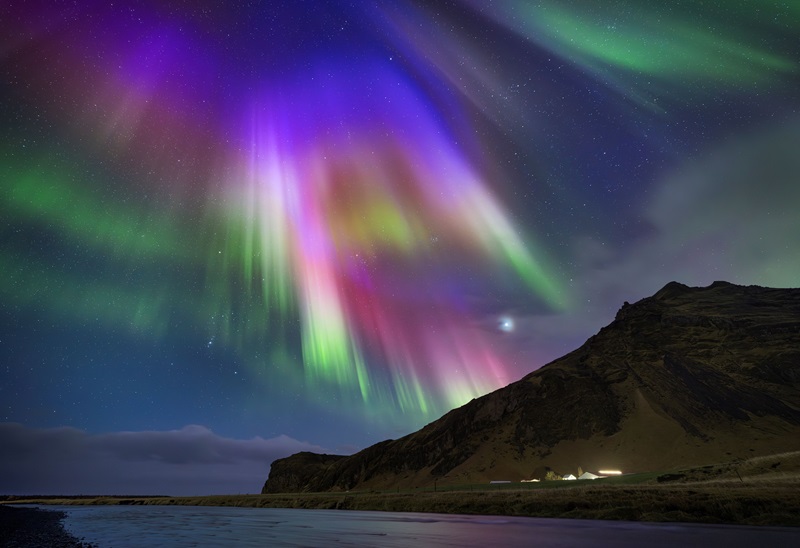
point(686, 377)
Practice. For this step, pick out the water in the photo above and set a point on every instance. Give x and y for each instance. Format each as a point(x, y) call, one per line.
point(184, 526)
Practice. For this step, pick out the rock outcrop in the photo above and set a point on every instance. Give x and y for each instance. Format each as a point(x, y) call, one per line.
point(688, 376)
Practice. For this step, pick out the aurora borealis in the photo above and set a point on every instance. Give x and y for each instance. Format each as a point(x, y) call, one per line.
point(334, 221)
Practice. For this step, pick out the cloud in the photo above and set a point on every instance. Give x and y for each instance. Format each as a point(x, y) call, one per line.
point(190, 461)
point(730, 215)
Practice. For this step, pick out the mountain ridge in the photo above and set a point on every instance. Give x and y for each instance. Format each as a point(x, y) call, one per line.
point(688, 376)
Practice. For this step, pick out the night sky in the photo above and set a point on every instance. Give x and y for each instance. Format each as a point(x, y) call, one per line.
point(231, 231)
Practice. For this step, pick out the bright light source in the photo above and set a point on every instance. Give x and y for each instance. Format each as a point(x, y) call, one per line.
point(506, 323)
point(610, 472)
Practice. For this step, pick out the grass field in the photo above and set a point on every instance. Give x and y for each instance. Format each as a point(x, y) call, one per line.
point(763, 491)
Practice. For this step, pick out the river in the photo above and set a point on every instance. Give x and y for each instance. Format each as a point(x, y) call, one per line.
point(184, 526)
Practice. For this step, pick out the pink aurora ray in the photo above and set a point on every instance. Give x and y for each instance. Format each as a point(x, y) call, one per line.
point(359, 207)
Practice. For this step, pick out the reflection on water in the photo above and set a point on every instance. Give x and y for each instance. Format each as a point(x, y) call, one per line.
point(174, 526)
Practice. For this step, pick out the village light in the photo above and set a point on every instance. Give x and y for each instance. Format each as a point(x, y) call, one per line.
point(610, 472)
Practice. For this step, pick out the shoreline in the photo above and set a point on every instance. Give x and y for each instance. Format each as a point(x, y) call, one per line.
point(34, 527)
point(767, 503)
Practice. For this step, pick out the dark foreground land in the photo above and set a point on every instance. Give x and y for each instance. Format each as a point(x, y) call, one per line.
point(34, 528)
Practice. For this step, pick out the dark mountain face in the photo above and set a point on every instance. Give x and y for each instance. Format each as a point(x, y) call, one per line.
point(687, 376)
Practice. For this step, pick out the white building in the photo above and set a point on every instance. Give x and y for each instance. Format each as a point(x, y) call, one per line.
point(589, 476)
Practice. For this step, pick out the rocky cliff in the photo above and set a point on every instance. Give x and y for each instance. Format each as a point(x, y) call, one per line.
point(687, 376)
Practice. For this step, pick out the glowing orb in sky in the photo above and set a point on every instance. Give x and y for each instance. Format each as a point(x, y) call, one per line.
point(506, 324)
